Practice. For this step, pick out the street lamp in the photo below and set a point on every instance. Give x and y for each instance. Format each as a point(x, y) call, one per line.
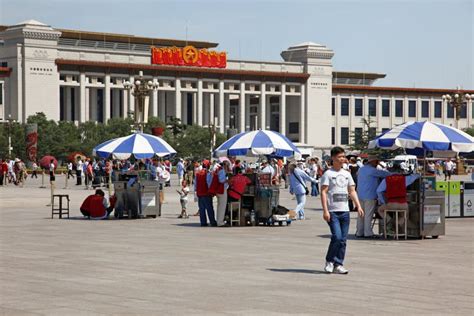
point(141, 91)
point(10, 122)
point(456, 101)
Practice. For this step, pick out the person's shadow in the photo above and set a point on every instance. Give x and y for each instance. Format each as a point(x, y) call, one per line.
point(307, 271)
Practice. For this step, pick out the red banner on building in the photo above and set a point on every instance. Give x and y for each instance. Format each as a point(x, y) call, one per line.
point(188, 56)
point(32, 141)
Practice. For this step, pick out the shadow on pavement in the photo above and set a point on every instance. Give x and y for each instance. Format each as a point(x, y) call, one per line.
point(189, 225)
point(308, 271)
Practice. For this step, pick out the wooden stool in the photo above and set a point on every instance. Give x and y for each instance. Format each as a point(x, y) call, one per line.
point(396, 212)
point(234, 206)
point(61, 209)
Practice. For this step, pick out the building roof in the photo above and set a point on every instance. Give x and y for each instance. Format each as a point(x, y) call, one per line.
point(194, 71)
point(357, 75)
point(394, 90)
point(121, 38)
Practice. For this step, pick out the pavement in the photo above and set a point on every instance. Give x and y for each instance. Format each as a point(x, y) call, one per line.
point(170, 266)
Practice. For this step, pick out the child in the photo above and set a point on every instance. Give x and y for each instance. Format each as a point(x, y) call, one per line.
point(337, 186)
point(183, 198)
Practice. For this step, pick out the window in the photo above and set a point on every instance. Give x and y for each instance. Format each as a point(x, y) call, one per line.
point(358, 135)
point(333, 136)
point(1, 93)
point(463, 112)
point(372, 107)
point(294, 127)
point(372, 133)
point(344, 136)
point(333, 106)
point(412, 108)
point(437, 109)
point(344, 107)
point(450, 111)
point(358, 107)
point(385, 108)
point(425, 108)
point(399, 108)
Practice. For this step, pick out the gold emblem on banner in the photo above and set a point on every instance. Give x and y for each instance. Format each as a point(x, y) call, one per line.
point(190, 54)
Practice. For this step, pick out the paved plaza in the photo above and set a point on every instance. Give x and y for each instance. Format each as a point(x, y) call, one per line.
point(170, 266)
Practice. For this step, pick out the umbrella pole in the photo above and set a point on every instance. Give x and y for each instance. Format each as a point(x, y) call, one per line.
point(422, 199)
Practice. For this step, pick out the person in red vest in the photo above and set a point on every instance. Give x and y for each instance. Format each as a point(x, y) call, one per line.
point(96, 206)
point(237, 186)
point(202, 183)
point(391, 192)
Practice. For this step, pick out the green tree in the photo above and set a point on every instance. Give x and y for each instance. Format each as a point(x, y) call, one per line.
point(470, 131)
point(361, 139)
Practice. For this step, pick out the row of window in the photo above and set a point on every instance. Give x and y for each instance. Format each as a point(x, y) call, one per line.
point(398, 109)
point(358, 132)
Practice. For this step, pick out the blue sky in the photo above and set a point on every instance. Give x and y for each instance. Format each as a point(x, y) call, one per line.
point(418, 43)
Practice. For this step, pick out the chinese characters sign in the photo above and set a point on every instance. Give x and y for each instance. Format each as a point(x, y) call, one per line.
point(188, 56)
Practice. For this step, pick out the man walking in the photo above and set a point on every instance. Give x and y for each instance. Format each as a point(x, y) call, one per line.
point(298, 179)
point(336, 187)
point(368, 179)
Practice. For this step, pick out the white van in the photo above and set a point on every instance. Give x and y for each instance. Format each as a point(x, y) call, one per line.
point(407, 163)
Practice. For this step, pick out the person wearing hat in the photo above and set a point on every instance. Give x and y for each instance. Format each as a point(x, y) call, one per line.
point(266, 168)
point(368, 179)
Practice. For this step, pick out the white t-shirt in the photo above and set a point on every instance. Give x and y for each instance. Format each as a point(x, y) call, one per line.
point(338, 183)
point(449, 165)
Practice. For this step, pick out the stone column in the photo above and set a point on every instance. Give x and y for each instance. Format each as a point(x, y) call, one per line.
point(227, 111)
point(125, 103)
point(177, 99)
point(199, 112)
point(283, 109)
point(222, 119)
point(106, 98)
point(242, 107)
point(263, 105)
point(93, 102)
point(302, 115)
point(195, 115)
point(82, 98)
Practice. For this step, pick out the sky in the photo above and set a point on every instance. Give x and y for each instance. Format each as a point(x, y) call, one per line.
point(417, 43)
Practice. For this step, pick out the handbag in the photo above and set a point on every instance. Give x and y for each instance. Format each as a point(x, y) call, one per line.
point(304, 186)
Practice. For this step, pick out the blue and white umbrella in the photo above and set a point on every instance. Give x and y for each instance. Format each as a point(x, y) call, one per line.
point(138, 145)
point(425, 135)
point(257, 143)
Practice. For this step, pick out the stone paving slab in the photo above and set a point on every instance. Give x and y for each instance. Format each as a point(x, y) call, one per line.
point(170, 266)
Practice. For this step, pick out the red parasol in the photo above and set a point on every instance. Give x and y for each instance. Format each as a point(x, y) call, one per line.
point(46, 161)
point(74, 155)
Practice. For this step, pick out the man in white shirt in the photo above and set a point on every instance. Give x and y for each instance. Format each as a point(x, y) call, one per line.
point(448, 169)
point(337, 186)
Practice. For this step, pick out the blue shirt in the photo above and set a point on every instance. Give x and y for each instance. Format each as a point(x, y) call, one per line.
point(383, 186)
point(297, 179)
point(368, 179)
point(222, 176)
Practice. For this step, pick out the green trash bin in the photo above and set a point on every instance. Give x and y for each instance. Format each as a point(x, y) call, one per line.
point(444, 187)
point(454, 198)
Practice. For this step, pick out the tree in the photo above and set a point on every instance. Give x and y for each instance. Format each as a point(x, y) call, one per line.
point(361, 139)
point(469, 130)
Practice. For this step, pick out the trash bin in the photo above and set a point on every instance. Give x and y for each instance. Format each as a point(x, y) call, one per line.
point(454, 199)
point(444, 187)
point(468, 197)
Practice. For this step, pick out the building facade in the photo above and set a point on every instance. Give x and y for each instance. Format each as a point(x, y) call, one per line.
point(79, 76)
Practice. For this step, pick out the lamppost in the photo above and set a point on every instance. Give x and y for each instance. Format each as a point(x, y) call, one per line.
point(456, 101)
point(141, 91)
point(9, 123)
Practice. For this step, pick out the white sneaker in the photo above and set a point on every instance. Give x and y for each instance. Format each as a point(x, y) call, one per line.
point(329, 268)
point(341, 270)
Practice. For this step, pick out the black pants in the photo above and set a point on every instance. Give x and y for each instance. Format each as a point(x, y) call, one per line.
point(78, 177)
point(34, 174)
point(1, 178)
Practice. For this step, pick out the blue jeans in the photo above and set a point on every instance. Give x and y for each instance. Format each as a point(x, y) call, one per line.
point(205, 204)
point(300, 201)
point(314, 189)
point(339, 225)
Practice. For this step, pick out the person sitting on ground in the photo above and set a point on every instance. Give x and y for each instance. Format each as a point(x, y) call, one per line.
point(96, 206)
point(183, 198)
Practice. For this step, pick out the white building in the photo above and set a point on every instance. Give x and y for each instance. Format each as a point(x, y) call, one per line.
point(78, 76)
